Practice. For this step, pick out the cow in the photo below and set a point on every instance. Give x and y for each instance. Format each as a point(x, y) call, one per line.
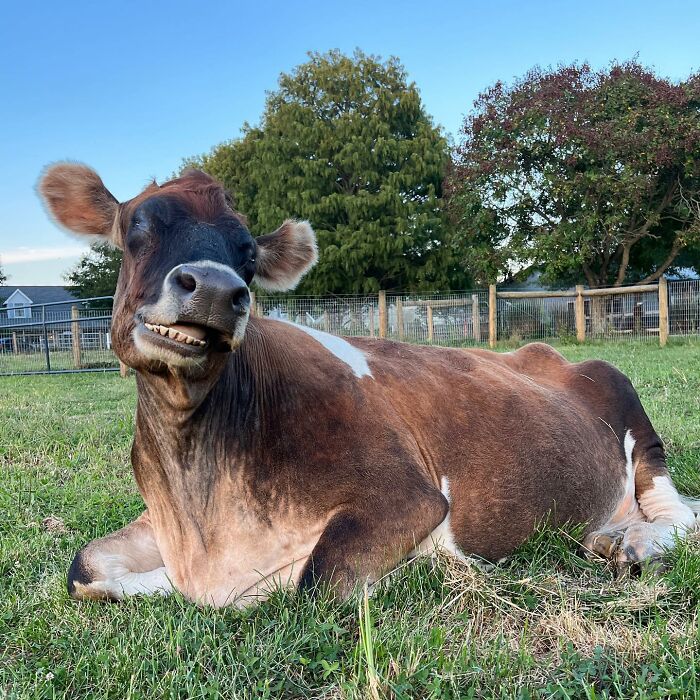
point(270, 454)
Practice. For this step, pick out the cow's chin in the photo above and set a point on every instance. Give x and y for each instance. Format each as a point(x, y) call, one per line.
point(183, 345)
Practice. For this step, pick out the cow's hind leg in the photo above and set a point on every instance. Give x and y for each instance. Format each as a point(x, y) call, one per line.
point(127, 562)
point(652, 514)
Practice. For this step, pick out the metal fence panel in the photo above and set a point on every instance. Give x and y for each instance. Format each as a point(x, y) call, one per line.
point(60, 337)
point(348, 315)
point(684, 307)
point(456, 318)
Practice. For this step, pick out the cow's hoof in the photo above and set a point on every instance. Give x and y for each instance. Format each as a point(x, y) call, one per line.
point(640, 550)
point(603, 544)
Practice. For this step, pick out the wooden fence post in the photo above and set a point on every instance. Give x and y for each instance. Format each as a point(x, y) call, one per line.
point(429, 311)
point(382, 314)
point(75, 336)
point(476, 318)
point(399, 317)
point(15, 346)
point(252, 303)
point(371, 321)
point(580, 310)
point(493, 335)
point(663, 311)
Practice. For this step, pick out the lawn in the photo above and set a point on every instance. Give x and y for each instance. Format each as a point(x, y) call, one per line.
point(545, 624)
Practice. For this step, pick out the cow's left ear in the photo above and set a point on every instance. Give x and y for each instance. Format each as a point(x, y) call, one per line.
point(285, 256)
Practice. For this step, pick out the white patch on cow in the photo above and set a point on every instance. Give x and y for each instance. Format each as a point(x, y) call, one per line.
point(442, 537)
point(119, 581)
point(667, 518)
point(627, 510)
point(349, 354)
point(629, 448)
point(662, 505)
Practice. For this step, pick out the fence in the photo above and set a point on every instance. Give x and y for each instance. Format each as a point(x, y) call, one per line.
point(56, 338)
point(650, 312)
point(79, 340)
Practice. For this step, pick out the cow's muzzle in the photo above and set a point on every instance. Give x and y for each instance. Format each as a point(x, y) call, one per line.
point(208, 294)
point(203, 306)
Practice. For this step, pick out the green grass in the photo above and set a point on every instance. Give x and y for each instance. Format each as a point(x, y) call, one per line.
point(60, 360)
point(545, 624)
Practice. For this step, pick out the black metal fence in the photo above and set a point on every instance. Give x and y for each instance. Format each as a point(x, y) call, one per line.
point(57, 338)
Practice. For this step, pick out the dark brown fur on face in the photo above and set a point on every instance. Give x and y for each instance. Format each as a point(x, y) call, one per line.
point(302, 458)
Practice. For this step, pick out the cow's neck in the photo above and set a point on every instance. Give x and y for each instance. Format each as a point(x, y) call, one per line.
point(191, 433)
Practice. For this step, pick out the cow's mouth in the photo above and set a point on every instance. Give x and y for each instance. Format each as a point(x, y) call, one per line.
point(180, 333)
point(187, 340)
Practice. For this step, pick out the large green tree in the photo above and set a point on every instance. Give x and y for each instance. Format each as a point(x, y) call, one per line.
point(585, 175)
point(346, 143)
point(96, 273)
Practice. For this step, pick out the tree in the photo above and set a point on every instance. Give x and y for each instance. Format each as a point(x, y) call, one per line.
point(3, 277)
point(97, 272)
point(583, 175)
point(346, 143)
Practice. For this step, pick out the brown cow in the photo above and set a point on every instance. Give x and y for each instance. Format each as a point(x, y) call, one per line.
point(270, 454)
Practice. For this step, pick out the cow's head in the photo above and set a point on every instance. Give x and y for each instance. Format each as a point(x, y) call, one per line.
point(182, 298)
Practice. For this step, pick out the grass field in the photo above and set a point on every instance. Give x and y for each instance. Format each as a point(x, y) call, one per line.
point(544, 624)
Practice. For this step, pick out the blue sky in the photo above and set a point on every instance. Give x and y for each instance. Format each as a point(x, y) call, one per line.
point(132, 88)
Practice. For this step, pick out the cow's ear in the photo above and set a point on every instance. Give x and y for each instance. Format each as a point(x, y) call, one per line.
point(285, 256)
point(78, 200)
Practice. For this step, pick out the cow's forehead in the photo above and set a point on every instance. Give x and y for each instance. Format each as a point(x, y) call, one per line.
point(195, 195)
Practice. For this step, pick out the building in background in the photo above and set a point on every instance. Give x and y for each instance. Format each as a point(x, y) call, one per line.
point(16, 301)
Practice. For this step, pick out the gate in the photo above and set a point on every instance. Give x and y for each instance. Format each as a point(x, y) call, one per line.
point(57, 338)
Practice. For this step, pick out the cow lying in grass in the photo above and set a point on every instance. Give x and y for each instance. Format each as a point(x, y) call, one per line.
point(270, 454)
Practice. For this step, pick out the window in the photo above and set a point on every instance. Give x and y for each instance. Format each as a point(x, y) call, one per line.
point(18, 309)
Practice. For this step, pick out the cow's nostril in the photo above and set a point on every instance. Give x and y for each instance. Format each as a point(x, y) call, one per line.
point(240, 297)
point(187, 281)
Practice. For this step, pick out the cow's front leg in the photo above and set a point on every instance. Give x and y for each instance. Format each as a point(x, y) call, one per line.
point(127, 562)
point(366, 539)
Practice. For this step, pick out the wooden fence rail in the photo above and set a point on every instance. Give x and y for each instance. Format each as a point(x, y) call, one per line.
point(461, 318)
point(579, 294)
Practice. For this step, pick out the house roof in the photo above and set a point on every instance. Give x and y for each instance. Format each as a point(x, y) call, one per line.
point(39, 294)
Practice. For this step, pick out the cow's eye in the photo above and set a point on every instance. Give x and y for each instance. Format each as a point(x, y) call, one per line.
point(138, 235)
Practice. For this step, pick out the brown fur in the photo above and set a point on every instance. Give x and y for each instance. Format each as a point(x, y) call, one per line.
point(283, 254)
point(279, 464)
point(78, 200)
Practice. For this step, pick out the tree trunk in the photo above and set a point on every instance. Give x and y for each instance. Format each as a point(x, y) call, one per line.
point(598, 306)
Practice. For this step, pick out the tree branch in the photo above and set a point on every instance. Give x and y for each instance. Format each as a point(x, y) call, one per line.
point(675, 249)
point(624, 264)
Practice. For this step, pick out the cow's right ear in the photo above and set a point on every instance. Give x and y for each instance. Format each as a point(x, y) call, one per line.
point(78, 200)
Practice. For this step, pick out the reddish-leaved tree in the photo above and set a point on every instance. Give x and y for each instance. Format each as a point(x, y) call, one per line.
point(585, 175)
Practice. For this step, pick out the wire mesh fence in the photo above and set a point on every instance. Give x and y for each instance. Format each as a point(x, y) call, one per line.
point(348, 315)
point(75, 336)
point(459, 318)
point(529, 319)
point(605, 315)
point(60, 337)
point(684, 307)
